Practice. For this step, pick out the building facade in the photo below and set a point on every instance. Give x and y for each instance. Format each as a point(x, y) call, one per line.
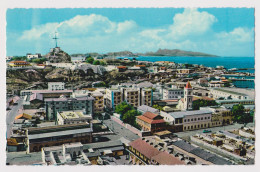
point(54, 105)
point(171, 93)
point(72, 117)
point(56, 86)
point(151, 122)
point(57, 135)
point(189, 120)
point(113, 98)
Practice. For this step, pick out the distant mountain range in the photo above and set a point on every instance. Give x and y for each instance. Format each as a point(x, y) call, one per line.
point(177, 52)
point(160, 52)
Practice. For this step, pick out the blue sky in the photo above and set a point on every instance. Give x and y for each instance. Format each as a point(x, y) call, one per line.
point(219, 31)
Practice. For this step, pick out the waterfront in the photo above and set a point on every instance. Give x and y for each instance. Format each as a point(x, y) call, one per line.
point(227, 62)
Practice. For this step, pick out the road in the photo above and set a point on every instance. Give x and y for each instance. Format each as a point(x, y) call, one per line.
point(187, 134)
point(10, 116)
point(119, 131)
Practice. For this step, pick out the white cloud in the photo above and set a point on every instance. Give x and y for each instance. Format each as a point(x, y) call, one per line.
point(39, 32)
point(238, 34)
point(126, 26)
point(191, 21)
point(190, 30)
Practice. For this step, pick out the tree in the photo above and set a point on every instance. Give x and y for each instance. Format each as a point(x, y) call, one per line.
point(103, 63)
point(158, 107)
point(96, 62)
point(239, 115)
point(129, 117)
point(202, 103)
point(122, 108)
point(90, 60)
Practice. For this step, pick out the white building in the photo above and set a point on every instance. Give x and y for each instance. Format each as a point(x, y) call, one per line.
point(189, 120)
point(33, 56)
point(227, 94)
point(56, 86)
point(72, 117)
point(171, 93)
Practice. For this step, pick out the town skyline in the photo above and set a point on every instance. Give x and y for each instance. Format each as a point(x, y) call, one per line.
point(93, 30)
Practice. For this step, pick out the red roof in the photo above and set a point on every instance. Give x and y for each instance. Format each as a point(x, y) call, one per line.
point(140, 65)
point(188, 85)
point(144, 148)
point(149, 117)
point(165, 158)
point(150, 152)
point(121, 67)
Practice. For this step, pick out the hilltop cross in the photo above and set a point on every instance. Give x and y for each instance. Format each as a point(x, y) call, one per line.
point(55, 38)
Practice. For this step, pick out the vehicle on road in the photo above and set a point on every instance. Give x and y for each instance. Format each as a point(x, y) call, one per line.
point(206, 131)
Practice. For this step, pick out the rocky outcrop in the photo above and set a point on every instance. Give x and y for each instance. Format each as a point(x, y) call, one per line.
point(57, 55)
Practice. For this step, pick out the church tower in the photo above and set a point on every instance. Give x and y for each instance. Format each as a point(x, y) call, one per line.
point(188, 97)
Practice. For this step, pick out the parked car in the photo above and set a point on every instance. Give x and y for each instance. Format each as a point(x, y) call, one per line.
point(206, 131)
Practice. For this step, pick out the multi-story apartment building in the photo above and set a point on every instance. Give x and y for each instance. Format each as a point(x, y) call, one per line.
point(131, 96)
point(54, 105)
point(134, 96)
point(171, 93)
point(98, 102)
point(113, 98)
point(56, 86)
point(146, 97)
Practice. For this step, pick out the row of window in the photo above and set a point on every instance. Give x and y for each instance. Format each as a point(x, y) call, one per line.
point(196, 126)
point(195, 119)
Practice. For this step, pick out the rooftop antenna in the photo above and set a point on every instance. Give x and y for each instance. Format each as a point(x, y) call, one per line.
point(55, 38)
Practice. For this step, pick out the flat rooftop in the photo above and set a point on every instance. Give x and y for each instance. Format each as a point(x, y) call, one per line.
point(230, 91)
point(72, 114)
point(189, 113)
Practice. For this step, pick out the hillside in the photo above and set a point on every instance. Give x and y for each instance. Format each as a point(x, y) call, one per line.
point(177, 52)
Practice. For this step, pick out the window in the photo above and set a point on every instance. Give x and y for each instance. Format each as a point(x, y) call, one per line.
point(184, 120)
point(188, 120)
point(191, 119)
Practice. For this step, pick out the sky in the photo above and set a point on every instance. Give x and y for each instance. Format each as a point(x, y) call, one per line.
point(218, 31)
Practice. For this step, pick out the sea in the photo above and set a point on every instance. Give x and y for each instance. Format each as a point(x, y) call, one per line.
point(227, 62)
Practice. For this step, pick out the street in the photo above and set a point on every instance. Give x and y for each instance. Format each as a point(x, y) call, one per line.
point(119, 131)
point(10, 116)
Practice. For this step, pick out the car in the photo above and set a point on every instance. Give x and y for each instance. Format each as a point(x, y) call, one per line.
point(206, 131)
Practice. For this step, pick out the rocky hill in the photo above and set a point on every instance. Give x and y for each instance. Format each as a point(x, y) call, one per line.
point(57, 55)
point(177, 52)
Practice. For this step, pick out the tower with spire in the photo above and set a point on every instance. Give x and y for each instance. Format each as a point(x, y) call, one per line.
point(188, 96)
